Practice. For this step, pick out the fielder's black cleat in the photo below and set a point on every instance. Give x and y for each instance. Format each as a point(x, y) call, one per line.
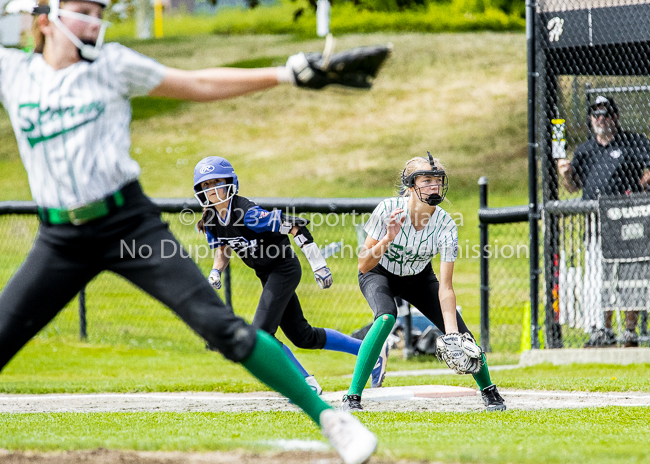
point(351, 403)
point(492, 399)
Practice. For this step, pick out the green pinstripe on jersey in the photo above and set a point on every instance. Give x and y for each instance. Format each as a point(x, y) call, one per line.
point(72, 124)
point(411, 249)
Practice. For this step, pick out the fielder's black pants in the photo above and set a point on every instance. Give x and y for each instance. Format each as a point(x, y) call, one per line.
point(132, 242)
point(279, 305)
point(380, 287)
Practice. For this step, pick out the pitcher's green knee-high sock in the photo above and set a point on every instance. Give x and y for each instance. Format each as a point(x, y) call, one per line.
point(483, 376)
point(268, 363)
point(369, 352)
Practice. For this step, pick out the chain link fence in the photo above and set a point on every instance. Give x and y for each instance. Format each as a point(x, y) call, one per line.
point(509, 322)
point(592, 90)
point(505, 276)
point(118, 313)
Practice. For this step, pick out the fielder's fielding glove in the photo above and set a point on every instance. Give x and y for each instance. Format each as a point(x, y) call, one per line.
point(356, 67)
point(460, 352)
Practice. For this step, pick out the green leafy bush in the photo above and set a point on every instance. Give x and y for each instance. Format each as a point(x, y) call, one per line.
point(459, 16)
point(456, 16)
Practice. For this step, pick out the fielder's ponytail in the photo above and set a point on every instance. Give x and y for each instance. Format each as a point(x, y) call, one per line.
point(39, 38)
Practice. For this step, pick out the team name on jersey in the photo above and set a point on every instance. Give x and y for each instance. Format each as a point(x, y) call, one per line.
point(239, 244)
point(41, 124)
point(400, 254)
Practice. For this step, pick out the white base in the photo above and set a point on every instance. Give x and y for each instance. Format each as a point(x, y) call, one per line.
point(405, 393)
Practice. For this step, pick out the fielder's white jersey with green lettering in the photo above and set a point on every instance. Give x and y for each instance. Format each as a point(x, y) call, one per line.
point(72, 124)
point(411, 249)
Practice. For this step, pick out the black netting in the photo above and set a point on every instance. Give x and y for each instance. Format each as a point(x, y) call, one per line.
point(509, 258)
point(119, 313)
point(593, 114)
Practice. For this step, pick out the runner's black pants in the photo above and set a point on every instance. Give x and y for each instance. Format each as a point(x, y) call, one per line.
point(279, 305)
point(133, 242)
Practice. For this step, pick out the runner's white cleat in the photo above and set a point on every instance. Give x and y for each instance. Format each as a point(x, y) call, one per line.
point(351, 439)
point(313, 384)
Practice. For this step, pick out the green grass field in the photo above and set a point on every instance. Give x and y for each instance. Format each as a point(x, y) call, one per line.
point(55, 366)
point(604, 435)
point(462, 96)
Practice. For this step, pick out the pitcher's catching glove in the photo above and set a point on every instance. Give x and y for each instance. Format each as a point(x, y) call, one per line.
point(356, 67)
point(460, 352)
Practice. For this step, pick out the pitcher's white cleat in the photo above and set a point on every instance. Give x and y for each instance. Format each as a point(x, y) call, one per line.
point(351, 439)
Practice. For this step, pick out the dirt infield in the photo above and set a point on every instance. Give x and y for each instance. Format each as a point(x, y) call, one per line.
point(303, 452)
point(104, 456)
point(269, 401)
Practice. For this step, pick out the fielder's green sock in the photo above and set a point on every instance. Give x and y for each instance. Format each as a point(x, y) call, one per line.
point(483, 376)
point(268, 363)
point(369, 352)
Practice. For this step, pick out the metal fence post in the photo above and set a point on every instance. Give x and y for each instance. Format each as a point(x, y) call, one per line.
point(83, 332)
point(409, 350)
point(533, 213)
point(227, 286)
point(485, 282)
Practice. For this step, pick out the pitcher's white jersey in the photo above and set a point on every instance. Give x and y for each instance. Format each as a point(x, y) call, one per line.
point(412, 250)
point(72, 124)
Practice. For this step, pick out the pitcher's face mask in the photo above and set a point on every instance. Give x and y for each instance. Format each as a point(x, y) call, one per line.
point(88, 49)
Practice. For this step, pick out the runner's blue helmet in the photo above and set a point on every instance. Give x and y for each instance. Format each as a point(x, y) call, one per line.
point(215, 167)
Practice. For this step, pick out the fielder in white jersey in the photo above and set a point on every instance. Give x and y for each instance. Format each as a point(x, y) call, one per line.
point(404, 234)
point(412, 249)
point(69, 107)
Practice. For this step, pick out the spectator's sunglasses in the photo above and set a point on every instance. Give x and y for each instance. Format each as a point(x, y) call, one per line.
point(602, 112)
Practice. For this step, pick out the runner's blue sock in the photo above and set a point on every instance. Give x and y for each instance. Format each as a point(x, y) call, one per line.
point(268, 364)
point(336, 341)
point(295, 361)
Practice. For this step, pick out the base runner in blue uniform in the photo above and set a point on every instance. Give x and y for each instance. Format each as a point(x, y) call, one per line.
point(233, 223)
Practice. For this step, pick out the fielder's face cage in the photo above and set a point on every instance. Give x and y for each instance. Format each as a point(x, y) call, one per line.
point(431, 199)
point(224, 191)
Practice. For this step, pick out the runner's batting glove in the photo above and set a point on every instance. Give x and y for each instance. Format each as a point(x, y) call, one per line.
point(324, 278)
point(215, 278)
point(460, 352)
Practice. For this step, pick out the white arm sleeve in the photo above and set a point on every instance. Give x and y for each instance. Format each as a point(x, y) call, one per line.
point(314, 256)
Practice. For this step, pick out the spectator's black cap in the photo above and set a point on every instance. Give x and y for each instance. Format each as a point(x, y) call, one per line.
point(607, 102)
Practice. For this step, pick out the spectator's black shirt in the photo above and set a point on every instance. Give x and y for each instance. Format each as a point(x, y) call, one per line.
point(614, 169)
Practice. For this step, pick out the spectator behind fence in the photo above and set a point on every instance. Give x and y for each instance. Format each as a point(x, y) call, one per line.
point(611, 162)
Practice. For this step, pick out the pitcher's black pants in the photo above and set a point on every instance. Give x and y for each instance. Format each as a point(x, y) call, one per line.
point(132, 242)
